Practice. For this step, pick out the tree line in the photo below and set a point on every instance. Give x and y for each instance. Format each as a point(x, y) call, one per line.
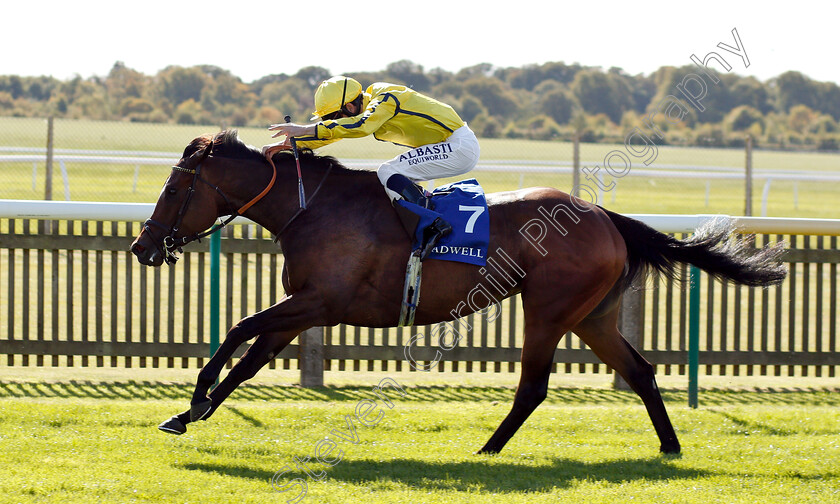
point(542, 102)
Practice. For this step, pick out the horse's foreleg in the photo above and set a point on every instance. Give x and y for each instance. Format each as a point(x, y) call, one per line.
point(537, 354)
point(605, 340)
point(291, 315)
point(260, 353)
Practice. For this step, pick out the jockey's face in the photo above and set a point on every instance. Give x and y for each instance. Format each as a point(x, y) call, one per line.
point(348, 110)
point(352, 108)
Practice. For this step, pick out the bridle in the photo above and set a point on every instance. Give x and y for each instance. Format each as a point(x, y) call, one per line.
point(170, 243)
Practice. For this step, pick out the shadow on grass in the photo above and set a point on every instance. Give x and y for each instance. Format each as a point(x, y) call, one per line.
point(747, 426)
point(248, 418)
point(508, 477)
point(236, 471)
point(137, 389)
point(481, 474)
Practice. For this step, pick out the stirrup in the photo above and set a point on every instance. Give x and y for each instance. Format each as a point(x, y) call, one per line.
point(432, 234)
point(411, 289)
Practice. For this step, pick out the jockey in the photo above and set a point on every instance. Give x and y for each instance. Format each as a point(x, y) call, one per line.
point(441, 143)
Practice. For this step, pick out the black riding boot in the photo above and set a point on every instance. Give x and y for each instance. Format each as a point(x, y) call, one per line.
point(403, 186)
point(410, 191)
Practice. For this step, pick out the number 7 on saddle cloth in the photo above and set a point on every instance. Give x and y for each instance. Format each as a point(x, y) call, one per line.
point(464, 206)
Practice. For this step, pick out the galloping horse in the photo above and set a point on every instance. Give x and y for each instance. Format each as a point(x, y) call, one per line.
point(345, 258)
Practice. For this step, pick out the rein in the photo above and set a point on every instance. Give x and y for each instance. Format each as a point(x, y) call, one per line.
point(304, 204)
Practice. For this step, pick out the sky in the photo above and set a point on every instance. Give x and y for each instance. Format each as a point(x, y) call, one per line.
point(252, 39)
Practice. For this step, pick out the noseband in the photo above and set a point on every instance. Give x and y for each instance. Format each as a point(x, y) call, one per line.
point(170, 243)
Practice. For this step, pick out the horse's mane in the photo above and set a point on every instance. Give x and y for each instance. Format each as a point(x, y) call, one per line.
point(227, 144)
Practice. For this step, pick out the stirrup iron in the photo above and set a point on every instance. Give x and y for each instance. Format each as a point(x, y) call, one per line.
point(411, 290)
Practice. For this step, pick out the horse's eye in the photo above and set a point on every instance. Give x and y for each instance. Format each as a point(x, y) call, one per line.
point(172, 190)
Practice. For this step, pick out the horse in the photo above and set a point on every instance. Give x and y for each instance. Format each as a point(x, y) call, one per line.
point(345, 258)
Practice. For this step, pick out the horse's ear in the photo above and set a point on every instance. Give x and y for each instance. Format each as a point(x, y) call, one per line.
point(197, 152)
point(205, 153)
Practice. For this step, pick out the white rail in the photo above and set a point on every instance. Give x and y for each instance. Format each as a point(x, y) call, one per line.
point(139, 212)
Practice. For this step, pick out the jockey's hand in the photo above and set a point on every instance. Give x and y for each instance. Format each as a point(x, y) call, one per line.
point(292, 130)
point(269, 150)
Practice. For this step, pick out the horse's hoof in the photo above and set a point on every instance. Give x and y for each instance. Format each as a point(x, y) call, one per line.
point(173, 426)
point(200, 410)
point(670, 449)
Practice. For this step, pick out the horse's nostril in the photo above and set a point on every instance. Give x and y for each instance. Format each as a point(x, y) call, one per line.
point(137, 249)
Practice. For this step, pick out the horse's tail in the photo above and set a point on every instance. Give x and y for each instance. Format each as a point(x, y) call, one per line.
point(711, 248)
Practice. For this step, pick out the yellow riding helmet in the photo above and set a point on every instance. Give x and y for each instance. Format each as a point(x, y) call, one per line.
point(334, 93)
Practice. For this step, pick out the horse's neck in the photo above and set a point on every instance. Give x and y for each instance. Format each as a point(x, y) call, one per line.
point(326, 188)
point(339, 199)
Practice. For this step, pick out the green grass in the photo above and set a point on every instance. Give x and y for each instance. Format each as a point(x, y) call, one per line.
point(91, 441)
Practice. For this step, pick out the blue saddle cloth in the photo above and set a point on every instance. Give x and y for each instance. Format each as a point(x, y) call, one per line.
point(462, 205)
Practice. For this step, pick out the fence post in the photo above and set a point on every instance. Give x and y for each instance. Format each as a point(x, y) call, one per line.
point(49, 167)
point(215, 258)
point(576, 165)
point(46, 227)
point(311, 355)
point(632, 325)
point(693, 334)
point(748, 177)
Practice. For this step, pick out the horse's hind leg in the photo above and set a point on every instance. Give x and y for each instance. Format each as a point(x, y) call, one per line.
point(260, 353)
point(547, 319)
point(537, 354)
point(603, 337)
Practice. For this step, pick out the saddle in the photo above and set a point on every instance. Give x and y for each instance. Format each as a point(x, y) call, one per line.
point(463, 207)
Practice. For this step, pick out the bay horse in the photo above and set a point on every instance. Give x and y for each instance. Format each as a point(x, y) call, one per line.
point(345, 258)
